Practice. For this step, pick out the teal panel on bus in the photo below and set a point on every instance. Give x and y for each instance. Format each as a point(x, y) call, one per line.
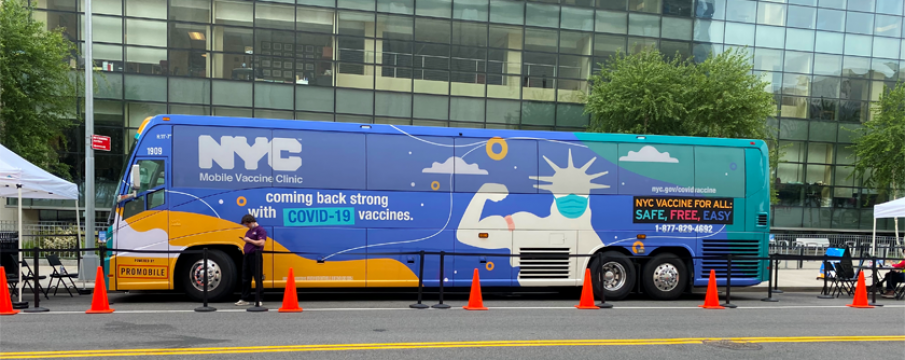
point(719, 171)
point(656, 163)
point(756, 168)
point(607, 150)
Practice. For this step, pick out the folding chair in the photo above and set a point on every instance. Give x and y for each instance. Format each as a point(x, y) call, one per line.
point(30, 276)
point(846, 278)
point(59, 275)
point(12, 280)
point(8, 261)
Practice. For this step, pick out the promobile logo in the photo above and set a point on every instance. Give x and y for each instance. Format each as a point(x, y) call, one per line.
point(223, 153)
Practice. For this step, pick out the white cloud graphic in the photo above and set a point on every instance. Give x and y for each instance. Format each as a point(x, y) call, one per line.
point(649, 154)
point(454, 163)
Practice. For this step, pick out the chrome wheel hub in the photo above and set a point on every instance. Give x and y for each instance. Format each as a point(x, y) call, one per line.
point(614, 275)
point(196, 275)
point(666, 277)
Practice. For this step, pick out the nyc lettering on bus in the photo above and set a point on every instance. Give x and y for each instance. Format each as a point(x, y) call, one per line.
point(224, 153)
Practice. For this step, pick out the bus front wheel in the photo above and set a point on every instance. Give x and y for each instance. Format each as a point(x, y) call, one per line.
point(221, 272)
point(614, 272)
point(664, 277)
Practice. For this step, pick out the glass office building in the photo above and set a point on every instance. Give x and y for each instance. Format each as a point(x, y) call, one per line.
point(498, 64)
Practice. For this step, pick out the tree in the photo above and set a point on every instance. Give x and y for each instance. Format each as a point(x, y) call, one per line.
point(880, 146)
point(649, 93)
point(646, 93)
point(37, 102)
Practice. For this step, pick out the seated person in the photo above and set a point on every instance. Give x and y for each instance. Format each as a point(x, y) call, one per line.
point(893, 278)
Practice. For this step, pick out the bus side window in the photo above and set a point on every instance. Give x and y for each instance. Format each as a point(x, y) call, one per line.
point(133, 207)
point(157, 198)
point(152, 174)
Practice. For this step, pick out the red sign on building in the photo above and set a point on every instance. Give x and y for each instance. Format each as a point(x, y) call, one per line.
point(100, 142)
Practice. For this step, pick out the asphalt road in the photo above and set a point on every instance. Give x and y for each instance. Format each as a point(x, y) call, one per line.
point(522, 326)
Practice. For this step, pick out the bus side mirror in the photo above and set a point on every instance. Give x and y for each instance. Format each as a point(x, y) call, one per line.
point(135, 178)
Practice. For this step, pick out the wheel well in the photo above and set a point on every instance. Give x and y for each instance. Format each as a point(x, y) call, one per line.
point(230, 250)
point(618, 249)
point(683, 254)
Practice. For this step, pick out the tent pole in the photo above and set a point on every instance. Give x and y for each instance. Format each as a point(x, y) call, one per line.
point(895, 240)
point(874, 237)
point(19, 273)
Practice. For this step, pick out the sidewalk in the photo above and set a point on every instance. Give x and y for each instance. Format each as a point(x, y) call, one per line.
point(790, 277)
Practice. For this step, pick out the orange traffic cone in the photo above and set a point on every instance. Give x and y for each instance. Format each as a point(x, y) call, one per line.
point(475, 302)
point(6, 302)
point(712, 300)
point(99, 303)
point(860, 300)
point(290, 297)
point(587, 293)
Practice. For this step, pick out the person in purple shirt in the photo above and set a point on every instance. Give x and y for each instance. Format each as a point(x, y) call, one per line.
point(255, 238)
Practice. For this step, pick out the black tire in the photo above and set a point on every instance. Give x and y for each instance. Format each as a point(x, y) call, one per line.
point(619, 270)
point(221, 280)
point(672, 279)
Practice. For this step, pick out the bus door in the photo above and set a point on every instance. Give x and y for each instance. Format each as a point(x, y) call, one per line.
point(143, 223)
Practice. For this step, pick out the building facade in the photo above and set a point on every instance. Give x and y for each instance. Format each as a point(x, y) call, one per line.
point(503, 64)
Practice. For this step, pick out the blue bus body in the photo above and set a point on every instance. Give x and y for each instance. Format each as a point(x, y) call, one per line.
point(343, 195)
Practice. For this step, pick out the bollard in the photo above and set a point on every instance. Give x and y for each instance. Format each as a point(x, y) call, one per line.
point(441, 305)
point(825, 293)
point(37, 287)
point(259, 284)
point(419, 305)
point(602, 304)
point(800, 255)
point(728, 303)
point(776, 278)
point(769, 297)
point(873, 292)
point(205, 308)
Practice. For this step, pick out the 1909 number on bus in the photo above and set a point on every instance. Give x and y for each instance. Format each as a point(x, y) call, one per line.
point(155, 151)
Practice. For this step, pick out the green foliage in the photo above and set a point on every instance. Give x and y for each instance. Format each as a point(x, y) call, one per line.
point(35, 78)
point(649, 93)
point(646, 93)
point(880, 146)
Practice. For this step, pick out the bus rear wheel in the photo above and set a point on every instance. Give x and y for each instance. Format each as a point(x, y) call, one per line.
point(221, 272)
point(615, 272)
point(664, 277)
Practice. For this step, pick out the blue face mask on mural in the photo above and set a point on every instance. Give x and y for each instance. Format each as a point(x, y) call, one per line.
point(572, 206)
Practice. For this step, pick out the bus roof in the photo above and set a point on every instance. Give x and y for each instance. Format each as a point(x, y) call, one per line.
point(440, 131)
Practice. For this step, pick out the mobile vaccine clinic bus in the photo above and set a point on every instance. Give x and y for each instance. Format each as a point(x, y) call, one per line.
point(342, 196)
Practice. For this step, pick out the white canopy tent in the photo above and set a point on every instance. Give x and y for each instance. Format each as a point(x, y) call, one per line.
point(22, 179)
point(888, 210)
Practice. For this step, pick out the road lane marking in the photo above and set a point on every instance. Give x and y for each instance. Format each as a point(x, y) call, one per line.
point(435, 345)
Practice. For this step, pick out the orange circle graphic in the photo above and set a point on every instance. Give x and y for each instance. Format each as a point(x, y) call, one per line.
point(504, 148)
